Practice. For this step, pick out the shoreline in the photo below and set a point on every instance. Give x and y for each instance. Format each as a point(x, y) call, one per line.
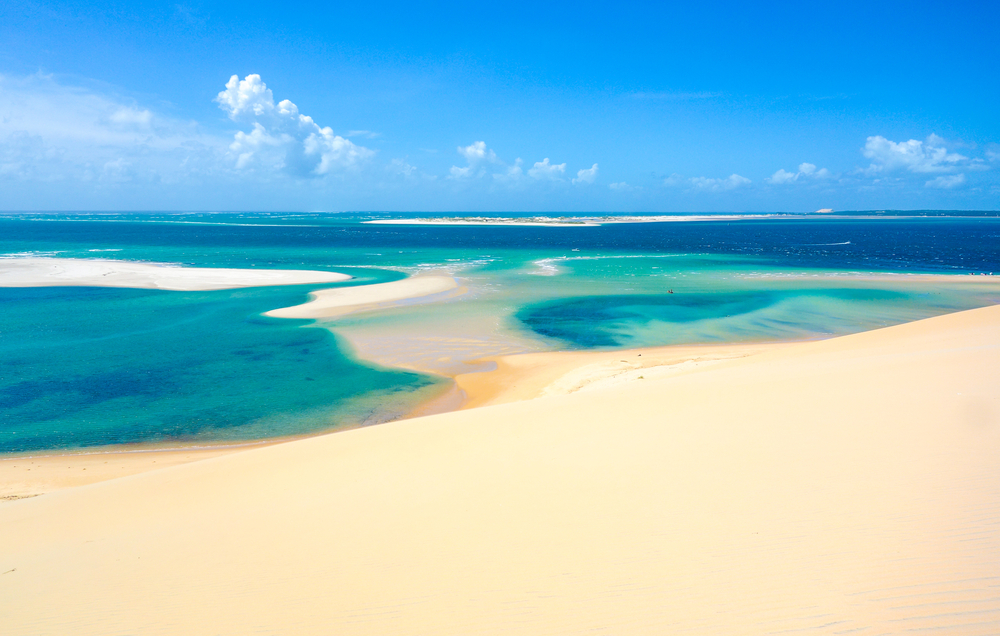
point(828, 486)
point(504, 379)
point(498, 379)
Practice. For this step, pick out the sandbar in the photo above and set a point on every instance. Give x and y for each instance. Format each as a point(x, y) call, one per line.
point(847, 485)
point(330, 303)
point(60, 272)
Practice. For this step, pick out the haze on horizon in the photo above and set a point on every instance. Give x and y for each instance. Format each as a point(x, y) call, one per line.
point(563, 107)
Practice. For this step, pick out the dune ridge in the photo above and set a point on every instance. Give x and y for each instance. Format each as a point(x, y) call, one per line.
point(841, 486)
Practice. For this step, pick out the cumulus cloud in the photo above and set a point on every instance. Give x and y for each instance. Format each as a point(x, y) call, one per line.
point(282, 138)
point(946, 182)
point(586, 176)
point(476, 156)
point(545, 170)
point(806, 171)
point(731, 182)
point(928, 156)
point(481, 162)
point(477, 152)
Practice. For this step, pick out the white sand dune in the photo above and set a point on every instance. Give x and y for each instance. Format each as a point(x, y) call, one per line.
point(842, 486)
point(58, 272)
point(329, 303)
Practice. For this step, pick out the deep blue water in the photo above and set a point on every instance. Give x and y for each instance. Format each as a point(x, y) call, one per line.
point(891, 244)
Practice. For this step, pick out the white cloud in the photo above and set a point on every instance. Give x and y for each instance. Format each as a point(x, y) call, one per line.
point(460, 173)
point(476, 156)
point(544, 170)
point(282, 138)
point(731, 182)
point(621, 186)
point(50, 131)
point(481, 162)
point(926, 156)
point(402, 167)
point(586, 176)
point(783, 176)
point(477, 152)
point(946, 181)
point(806, 171)
point(512, 175)
point(673, 180)
point(129, 115)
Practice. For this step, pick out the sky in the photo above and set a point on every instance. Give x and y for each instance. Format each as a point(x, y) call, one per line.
point(460, 106)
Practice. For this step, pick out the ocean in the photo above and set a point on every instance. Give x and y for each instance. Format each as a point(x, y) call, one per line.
point(87, 366)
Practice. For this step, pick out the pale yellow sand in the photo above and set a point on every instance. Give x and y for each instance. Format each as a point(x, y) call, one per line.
point(531, 375)
point(53, 272)
point(842, 486)
point(30, 476)
point(329, 303)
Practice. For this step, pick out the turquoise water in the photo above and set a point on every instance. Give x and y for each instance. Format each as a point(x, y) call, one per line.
point(85, 366)
point(82, 367)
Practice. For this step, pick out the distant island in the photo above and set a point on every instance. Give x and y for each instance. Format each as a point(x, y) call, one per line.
point(575, 221)
point(594, 221)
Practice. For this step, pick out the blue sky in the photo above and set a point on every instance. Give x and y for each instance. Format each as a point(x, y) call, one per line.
point(725, 106)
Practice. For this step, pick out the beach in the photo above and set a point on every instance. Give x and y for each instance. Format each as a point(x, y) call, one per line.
point(835, 485)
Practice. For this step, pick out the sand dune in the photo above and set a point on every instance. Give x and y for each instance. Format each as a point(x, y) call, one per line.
point(841, 486)
point(59, 272)
point(328, 303)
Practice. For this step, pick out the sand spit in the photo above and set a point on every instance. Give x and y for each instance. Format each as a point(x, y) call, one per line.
point(842, 486)
point(60, 272)
point(329, 303)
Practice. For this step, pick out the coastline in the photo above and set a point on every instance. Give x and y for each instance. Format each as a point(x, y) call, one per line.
point(824, 485)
